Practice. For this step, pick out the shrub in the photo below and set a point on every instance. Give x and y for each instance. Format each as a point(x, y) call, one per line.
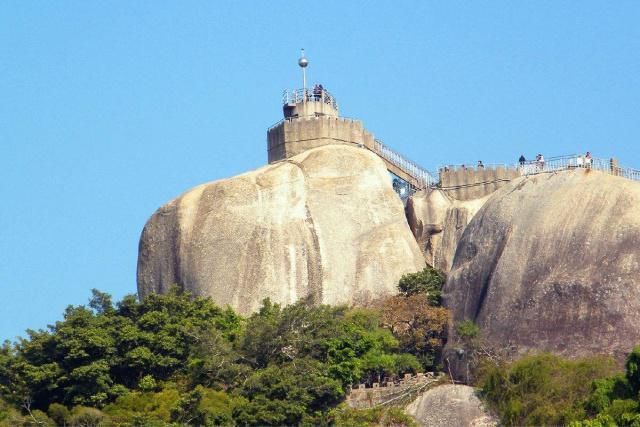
point(428, 281)
point(543, 389)
point(83, 416)
point(381, 416)
point(147, 383)
point(59, 414)
point(467, 330)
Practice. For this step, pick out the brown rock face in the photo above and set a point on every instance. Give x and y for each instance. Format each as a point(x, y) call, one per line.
point(437, 221)
point(324, 224)
point(552, 262)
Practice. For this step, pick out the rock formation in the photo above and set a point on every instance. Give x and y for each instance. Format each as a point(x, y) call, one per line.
point(324, 224)
point(450, 406)
point(552, 262)
point(437, 221)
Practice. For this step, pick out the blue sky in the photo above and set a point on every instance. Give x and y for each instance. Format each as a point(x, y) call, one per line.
point(110, 109)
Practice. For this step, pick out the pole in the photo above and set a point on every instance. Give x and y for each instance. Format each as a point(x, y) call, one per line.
point(303, 62)
point(304, 79)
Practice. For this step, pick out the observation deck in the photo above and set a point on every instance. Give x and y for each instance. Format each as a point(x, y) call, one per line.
point(309, 102)
point(311, 120)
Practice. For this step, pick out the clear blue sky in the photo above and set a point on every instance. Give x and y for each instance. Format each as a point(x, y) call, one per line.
point(110, 109)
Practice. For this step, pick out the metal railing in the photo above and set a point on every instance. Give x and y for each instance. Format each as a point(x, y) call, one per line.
point(422, 176)
point(554, 164)
point(472, 166)
point(629, 173)
point(575, 162)
point(309, 95)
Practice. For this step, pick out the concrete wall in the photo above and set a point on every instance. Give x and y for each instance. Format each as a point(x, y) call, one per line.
point(292, 137)
point(296, 135)
point(474, 183)
point(310, 108)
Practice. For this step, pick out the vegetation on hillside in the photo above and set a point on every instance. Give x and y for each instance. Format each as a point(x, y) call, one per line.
point(175, 359)
point(544, 389)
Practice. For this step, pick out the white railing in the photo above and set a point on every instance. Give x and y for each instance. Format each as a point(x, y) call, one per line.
point(472, 166)
point(632, 174)
point(309, 95)
point(423, 177)
point(575, 162)
point(554, 164)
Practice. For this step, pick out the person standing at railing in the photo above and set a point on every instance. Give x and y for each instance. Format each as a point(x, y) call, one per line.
point(480, 164)
point(317, 92)
point(322, 94)
point(587, 160)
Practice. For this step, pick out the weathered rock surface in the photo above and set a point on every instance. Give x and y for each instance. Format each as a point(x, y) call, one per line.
point(450, 406)
point(437, 221)
point(324, 224)
point(552, 262)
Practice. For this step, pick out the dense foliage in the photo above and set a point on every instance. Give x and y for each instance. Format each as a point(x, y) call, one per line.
point(174, 359)
point(542, 389)
point(548, 390)
point(428, 282)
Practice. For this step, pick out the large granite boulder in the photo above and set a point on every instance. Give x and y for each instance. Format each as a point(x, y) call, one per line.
point(437, 221)
point(325, 225)
point(450, 406)
point(552, 262)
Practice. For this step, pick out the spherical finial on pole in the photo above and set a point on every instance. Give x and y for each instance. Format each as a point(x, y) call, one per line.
point(303, 62)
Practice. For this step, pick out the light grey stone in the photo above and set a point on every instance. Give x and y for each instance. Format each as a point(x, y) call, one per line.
point(325, 224)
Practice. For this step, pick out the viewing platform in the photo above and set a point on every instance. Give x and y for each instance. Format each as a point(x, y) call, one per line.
point(465, 182)
point(311, 120)
point(305, 102)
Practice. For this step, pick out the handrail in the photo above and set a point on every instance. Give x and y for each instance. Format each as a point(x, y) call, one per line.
point(309, 95)
point(423, 177)
point(558, 163)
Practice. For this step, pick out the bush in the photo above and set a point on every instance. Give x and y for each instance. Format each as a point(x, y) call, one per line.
point(145, 406)
point(382, 416)
point(59, 414)
point(467, 330)
point(428, 281)
point(83, 416)
point(147, 383)
point(542, 389)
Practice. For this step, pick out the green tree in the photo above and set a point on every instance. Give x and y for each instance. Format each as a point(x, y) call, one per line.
point(205, 407)
point(87, 417)
point(177, 359)
point(98, 353)
point(429, 282)
point(144, 408)
point(633, 370)
point(542, 389)
point(60, 414)
point(288, 394)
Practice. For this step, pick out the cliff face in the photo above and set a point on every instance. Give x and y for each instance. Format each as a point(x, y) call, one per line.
point(437, 221)
point(552, 262)
point(324, 224)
